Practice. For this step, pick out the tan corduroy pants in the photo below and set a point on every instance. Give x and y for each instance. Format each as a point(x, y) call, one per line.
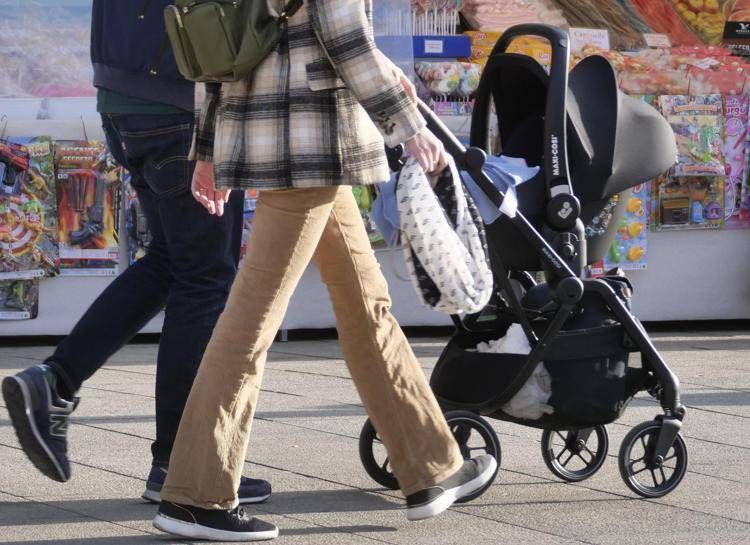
point(290, 228)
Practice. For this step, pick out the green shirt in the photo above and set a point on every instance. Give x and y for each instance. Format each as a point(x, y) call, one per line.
point(112, 102)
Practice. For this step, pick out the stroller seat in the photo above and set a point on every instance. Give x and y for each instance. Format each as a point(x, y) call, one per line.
point(614, 142)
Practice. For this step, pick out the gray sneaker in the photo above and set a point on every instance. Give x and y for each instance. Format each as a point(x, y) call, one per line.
point(472, 476)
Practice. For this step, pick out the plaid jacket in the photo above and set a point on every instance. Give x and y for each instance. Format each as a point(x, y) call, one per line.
point(314, 113)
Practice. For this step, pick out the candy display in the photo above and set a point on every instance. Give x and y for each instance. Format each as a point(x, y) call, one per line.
point(88, 181)
point(28, 220)
point(19, 299)
point(698, 125)
point(704, 17)
point(449, 78)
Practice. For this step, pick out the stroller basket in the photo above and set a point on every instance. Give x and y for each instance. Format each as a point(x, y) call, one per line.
point(591, 381)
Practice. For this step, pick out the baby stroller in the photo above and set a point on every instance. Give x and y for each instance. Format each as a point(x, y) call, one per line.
point(591, 142)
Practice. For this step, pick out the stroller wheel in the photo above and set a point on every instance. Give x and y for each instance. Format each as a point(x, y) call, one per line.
point(574, 455)
point(472, 432)
point(475, 437)
point(375, 458)
point(645, 476)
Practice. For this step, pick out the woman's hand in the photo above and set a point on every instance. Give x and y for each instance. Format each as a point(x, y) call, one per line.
point(204, 189)
point(428, 151)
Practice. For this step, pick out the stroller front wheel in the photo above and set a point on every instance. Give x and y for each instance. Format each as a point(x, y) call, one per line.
point(645, 474)
point(573, 456)
point(474, 435)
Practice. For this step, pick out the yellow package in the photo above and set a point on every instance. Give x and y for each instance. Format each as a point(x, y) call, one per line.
point(536, 48)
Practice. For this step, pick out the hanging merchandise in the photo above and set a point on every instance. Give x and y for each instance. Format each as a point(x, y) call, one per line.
point(19, 299)
point(28, 220)
point(88, 181)
point(695, 202)
point(630, 247)
point(697, 122)
point(14, 167)
point(735, 147)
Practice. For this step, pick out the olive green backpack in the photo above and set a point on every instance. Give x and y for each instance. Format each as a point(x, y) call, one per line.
point(223, 40)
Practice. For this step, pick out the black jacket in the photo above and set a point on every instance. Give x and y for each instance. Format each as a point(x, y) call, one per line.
point(126, 38)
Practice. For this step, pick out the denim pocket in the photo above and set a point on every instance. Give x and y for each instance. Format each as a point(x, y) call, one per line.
point(162, 154)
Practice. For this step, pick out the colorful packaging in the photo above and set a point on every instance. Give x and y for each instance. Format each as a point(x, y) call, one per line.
point(735, 152)
point(698, 124)
point(88, 183)
point(19, 299)
point(630, 247)
point(459, 79)
point(695, 202)
point(28, 221)
point(14, 167)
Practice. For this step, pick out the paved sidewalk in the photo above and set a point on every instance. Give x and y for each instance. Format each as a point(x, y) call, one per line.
point(305, 443)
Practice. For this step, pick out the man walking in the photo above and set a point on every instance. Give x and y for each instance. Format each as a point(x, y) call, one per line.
point(147, 116)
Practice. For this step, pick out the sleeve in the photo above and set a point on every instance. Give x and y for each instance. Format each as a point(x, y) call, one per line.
point(207, 97)
point(344, 30)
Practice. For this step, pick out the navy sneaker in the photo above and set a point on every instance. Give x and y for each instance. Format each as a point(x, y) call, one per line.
point(250, 490)
point(470, 477)
point(212, 524)
point(40, 417)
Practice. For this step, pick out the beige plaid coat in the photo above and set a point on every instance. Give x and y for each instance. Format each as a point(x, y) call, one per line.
point(316, 112)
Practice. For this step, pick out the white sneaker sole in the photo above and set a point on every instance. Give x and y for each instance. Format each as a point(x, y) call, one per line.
point(155, 497)
point(449, 497)
point(196, 531)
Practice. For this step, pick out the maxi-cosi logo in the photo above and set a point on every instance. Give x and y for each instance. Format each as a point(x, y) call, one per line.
point(743, 28)
point(554, 148)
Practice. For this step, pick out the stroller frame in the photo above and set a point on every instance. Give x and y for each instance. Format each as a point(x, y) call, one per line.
point(561, 247)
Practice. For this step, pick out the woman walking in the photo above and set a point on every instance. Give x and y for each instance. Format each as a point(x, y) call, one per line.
point(310, 122)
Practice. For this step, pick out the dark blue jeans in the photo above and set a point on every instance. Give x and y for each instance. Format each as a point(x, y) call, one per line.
point(188, 269)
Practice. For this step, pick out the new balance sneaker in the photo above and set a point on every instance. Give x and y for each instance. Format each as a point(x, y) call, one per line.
point(249, 491)
point(472, 476)
point(40, 417)
point(212, 524)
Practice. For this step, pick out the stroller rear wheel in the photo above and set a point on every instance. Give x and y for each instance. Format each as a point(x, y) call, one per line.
point(574, 456)
point(645, 474)
point(473, 434)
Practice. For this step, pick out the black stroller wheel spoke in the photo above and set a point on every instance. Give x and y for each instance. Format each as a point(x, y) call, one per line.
point(590, 453)
point(563, 451)
point(653, 476)
point(561, 436)
point(587, 462)
point(566, 462)
point(663, 476)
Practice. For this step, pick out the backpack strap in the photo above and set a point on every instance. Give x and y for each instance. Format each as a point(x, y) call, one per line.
point(290, 9)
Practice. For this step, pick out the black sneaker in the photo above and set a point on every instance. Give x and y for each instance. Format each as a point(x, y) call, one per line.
point(40, 417)
point(250, 490)
point(472, 476)
point(213, 524)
